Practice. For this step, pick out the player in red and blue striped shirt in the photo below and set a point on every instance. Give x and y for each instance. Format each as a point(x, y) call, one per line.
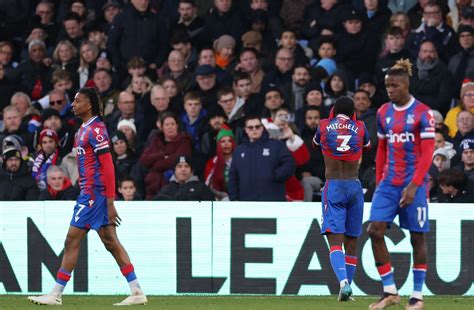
point(406, 131)
point(95, 205)
point(342, 138)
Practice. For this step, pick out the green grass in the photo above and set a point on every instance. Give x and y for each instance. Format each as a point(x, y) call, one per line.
point(19, 302)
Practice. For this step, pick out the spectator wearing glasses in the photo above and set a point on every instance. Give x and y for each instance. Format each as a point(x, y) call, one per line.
point(260, 166)
point(465, 122)
point(466, 103)
point(280, 76)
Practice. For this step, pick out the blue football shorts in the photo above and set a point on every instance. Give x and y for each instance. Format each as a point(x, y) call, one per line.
point(343, 207)
point(90, 213)
point(386, 205)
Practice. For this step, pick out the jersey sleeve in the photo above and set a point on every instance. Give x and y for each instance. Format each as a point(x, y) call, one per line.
point(366, 141)
point(99, 140)
point(381, 134)
point(427, 125)
point(317, 137)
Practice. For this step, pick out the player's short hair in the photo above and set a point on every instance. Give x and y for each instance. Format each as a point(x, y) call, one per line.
point(452, 177)
point(94, 98)
point(402, 67)
point(344, 105)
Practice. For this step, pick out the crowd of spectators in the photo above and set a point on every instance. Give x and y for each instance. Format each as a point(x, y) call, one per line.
point(220, 99)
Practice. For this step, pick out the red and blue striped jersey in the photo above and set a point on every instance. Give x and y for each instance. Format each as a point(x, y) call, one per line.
point(91, 140)
point(341, 138)
point(403, 128)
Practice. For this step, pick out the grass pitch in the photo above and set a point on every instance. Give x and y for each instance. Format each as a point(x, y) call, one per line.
point(19, 302)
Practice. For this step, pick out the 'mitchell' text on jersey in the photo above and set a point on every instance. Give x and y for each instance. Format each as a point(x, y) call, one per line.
point(336, 126)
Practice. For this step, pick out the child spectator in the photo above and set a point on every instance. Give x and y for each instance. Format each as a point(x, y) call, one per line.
point(441, 159)
point(194, 118)
point(127, 189)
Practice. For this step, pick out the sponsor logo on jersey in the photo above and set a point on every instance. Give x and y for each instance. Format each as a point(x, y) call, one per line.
point(402, 137)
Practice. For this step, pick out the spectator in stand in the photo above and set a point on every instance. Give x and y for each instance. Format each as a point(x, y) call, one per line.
point(57, 101)
point(69, 166)
point(249, 63)
point(275, 23)
point(466, 103)
point(47, 155)
point(110, 10)
point(74, 29)
point(159, 104)
point(126, 110)
point(176, 69)
point(431, 82)
point(253, 103)
point(216, 119)
point(467, 16)
point(16, 182)
point(35, 31)
point(97, 35)
point(28, 113)
point(175, 96)
point(456, 13)
point(138, 31)
point(261, 38)
point(194, 118)
point(189, 21)
point(184, 185)
point(12, 126)
point(15, 141)
point(312, 173)
point(462, 64)
point(335, 87)
point(7, 51)
point(224, 48)
point(180, 41)
point(65, 58)
point(45, 10)
point(33, 73)
point(377, 17)
point(455, 187)
point(357, 47)
point(273, 102)
point(127, 190)
point(441, 143)
point(435, 30)
point(59, 187)
point(394, 50)
point(293, 11)
point(288, 39)
point(124, 157)
point(280, 76)
point(233, 108)
point(260, 166)
point(140, 87)
point(439, 123)
point(299, 80)
point(299, 151)
point(223, 18)
point(400, 19)
point(465, 123)
point(161, 153)
point(103, 81)
point(217, 168)
point(88, 56)
point(467, 159)
point(365, 113)
point(127, 126)
point(313, 96)
point(79, 7)
point(50, 118)
point(61, 80)
point(207, 57)
point(441, 159)
point(207, 85)
point(367, 83)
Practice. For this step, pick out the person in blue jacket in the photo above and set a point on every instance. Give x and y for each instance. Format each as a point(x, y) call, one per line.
point(260, 166)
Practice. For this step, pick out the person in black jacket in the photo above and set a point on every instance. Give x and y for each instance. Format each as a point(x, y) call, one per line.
point(59, 186)
point(185, 186)
point(16, 182)
point(455, 187)
point(138, 31)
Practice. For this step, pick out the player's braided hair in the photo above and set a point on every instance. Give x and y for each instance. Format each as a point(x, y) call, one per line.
point(94, 98)
point(402, 67)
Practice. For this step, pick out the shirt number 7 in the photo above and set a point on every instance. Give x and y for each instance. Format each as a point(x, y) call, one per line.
point(343, 147)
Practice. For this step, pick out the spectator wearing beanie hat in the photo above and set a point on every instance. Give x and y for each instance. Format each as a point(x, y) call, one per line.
point(467, 158)
point(224, 48)
point(217, 168)
point(466, 103)
point(16, 183)
point(47, 155)
point(123, 155)
point(127, 126)
point(184, 185)
point(462, 64)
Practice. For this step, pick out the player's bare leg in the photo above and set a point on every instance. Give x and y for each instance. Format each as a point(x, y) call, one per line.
point(338, 264)
point(108, 235)
point(419, 270)
point(390, 297)
point(72, 246)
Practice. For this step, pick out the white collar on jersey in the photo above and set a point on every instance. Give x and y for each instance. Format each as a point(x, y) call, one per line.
point(89, 121)
point(404, 107)
point(343, 116)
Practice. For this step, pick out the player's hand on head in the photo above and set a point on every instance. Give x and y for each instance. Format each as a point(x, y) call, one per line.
point(408, 195)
